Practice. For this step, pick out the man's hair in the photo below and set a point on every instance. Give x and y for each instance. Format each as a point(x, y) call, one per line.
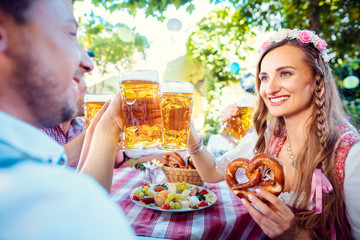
point(18, 9)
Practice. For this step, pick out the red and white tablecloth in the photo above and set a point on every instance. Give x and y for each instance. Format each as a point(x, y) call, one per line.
point(226, 219)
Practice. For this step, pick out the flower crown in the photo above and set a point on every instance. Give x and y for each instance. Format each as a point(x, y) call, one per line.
point(303, 36)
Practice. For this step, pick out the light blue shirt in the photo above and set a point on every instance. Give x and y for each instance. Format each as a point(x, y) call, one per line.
point(40, 200)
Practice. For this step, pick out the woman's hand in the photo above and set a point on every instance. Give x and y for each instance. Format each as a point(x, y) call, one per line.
point(89, 133)
point(275, 218)
point(95, 120)
point(228, 112)
point(112, 117)
point(100, 157)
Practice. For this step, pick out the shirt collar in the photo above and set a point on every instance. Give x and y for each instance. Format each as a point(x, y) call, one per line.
point(76, 123)
point(30, 141)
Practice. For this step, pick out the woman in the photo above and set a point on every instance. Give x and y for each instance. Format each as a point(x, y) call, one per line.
point(299, 118)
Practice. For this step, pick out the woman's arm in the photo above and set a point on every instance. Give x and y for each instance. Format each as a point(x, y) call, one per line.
point(212, 170)
point(204, 161)
point(352, 189)
point(102, 146)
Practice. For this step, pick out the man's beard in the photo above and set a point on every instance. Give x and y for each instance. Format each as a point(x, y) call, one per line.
point(35, 85)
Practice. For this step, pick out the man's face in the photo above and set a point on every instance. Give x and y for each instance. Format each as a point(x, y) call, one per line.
point(80, 102)
point(47, 61)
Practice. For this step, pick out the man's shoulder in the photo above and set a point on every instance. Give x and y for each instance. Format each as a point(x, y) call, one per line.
point(35, 179)
point(57, 200)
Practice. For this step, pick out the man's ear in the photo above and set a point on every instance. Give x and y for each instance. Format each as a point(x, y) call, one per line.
point(3, 32)
point(3, 38)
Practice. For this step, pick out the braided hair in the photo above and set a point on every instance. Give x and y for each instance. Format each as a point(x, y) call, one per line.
point(317, 151)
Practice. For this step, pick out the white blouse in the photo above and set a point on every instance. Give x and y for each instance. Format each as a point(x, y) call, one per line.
point(245, 149)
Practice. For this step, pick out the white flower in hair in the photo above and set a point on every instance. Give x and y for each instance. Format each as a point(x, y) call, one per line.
point(293, 33)
point(280, 36)
point(315, 40)
point(271, 38)
point(325, 57)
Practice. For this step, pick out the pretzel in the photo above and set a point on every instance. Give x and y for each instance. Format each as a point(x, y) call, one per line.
point(173, 159)
point(254, 172)
point(189, 162)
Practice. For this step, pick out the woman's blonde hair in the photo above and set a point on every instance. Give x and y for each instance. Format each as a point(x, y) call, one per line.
point(318, 148)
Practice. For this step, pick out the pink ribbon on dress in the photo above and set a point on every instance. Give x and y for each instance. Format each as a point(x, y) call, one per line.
point(319, 184)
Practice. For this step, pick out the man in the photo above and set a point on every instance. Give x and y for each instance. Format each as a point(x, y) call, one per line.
point(40, 59)
point(71, 133)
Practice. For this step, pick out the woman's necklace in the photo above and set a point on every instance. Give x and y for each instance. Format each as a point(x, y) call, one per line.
point(289, 152)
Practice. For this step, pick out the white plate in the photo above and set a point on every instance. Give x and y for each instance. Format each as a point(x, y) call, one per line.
point(210, 199)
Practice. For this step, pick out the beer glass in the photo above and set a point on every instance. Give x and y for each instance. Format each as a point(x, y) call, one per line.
point(176, 107)
point(140, 92)
point(238, 125)
point(92, 104)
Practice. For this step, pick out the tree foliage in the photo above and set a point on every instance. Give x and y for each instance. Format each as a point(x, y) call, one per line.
point(152, 8)
point(111, 44)
point(215, 43)
point(337, 21)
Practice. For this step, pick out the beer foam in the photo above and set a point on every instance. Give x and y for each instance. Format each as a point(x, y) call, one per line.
point(177, 87)
point(97, 97)
point(246, 100)
point(142, 75)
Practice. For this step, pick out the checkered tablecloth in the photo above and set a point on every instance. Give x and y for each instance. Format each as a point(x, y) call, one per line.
point(226, 219)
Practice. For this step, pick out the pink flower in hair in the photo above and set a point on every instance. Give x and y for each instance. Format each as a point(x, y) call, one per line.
point(321, 44)
point(305, 36)
point(265, 45)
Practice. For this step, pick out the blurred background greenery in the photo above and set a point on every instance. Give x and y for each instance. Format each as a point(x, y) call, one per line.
point(226, 36)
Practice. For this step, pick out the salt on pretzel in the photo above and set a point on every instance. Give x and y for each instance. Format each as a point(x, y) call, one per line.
point(173, 159)
point(254, 172)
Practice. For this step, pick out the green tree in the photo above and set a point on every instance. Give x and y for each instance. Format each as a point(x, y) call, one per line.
point(152, 8)
point(219, 39)
point(112, 44)
point(337, 21)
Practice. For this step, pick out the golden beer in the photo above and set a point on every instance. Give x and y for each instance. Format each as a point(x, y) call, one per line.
point(141, 109)
point(92, 104)
point(176, 107)
point(239, 124)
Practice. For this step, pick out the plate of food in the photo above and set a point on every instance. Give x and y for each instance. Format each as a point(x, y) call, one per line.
point(173, 197)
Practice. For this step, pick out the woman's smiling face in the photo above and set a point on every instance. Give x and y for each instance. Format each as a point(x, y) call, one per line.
point(286, 82)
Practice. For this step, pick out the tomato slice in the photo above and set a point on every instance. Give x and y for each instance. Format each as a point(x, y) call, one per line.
point(165, 206)
point(159, 188)
point(203, 191)
point(135, 197)
point(145, 184)
point(147, 200)
point(203, 203)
